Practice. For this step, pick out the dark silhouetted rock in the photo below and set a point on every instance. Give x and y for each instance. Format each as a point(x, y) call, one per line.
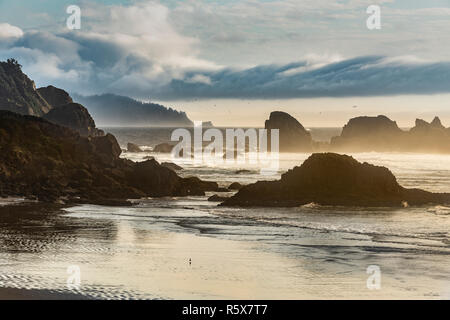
point(39, 159)
point(293, 136)
point(217, 198)
point(369, 134)
point(55, 96)
point(428, 137)
point(18, 93)
point(75, 117)
point(235, 186)
point(107, 148)
point(163, 148)
point(131, 147)
point(171, 166)
point(333, 179)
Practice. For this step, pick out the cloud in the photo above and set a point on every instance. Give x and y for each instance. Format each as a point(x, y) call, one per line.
point(9, 31)
point(362, 76)
point(138, 51)
point(128, 49)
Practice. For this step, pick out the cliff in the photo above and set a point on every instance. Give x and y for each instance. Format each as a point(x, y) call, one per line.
point(18, 93)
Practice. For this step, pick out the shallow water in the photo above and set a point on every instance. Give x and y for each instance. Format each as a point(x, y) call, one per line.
point(268, 253)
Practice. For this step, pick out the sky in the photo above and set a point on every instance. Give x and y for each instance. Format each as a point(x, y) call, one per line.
point(235, 61)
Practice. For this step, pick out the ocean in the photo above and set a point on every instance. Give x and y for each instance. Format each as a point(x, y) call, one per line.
point(308, 252)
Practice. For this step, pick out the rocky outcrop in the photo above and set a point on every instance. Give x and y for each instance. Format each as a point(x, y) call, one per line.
point(131, 147)
point(217, 198)
point(369, 134)
point(172, 166)
point(293, 136)
point(163, 148)
point(18, 93)
point(75, 117)
point(428, 137)
point(39, 159)
point(333, 179)
point(55, 96)
point(235, 186)
point(382, 134)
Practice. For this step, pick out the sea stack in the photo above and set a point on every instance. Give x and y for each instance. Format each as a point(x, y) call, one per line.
point(293, 136)
point(334, 179)
point(369, 134)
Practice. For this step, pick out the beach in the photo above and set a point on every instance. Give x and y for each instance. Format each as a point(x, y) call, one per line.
point(189, 248)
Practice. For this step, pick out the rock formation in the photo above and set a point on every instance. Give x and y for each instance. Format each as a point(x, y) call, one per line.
point(428, 137)
point(171, 166)
point(131, 147)
point(18, 93)
point(217, 198)
point(293, 136)
point(163, 148)
point(369, 134)
point(333, 179)
point(382, 134)
point(55, 96)
point(75, 117)
point(235, 186)
point(53, 163)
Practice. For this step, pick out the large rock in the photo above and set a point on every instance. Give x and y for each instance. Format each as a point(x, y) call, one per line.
point(293, 136)
point(18, 93)
point(55, 96)
point(42, 160)
point(131, 147)
point(369, 134)
point(428, 137)
point(333, 179)
point(163, 148)
point(75, 117)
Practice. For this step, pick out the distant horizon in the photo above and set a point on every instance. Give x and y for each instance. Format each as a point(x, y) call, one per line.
point(234, 62)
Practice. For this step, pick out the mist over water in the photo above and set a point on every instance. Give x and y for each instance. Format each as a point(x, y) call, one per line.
point(283, 253)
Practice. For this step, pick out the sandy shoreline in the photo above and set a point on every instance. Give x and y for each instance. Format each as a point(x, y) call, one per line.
point(144, 253)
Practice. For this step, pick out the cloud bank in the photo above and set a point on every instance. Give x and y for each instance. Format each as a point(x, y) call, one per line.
point(136, 51)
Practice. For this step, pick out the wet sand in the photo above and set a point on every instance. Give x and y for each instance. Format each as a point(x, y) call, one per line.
point(29, 294)
point(143, 253)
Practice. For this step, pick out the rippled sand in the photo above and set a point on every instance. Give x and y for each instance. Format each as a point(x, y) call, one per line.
point(144, 252)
